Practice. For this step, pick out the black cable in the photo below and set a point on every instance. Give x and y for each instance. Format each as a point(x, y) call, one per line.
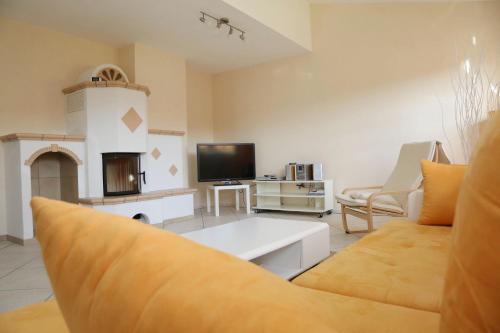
point(244, 201)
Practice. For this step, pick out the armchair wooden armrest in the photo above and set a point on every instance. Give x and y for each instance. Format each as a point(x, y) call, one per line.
point(368, 213)
point(361, 188)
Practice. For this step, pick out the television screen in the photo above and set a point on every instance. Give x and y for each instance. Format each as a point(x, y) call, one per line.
point(225, 161)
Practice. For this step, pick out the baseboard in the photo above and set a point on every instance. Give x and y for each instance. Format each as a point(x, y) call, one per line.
point(15, 240)
point(177, 219)
point(221, 204)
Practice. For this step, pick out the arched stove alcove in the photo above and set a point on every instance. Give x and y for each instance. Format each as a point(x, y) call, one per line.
point(54, 175)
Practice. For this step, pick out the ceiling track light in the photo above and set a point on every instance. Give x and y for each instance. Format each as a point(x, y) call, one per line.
point(220, 22)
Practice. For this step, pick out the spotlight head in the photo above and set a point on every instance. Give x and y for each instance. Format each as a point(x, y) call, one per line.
point(202, 19)
point(219, 23)
point(242, 36)
point(231, 30)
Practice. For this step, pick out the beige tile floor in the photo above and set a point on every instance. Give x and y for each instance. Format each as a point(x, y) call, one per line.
point(23, 279)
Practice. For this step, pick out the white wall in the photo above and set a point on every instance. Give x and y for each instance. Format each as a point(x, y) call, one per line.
point(38, 64)
point(3, 217)
point(372, 83)
point(199, 123)
point(13, 184)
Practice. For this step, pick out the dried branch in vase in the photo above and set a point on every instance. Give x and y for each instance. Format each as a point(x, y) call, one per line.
point(475, 95)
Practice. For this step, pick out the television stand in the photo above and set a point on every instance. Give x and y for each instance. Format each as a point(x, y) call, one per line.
point(308, 196)
point(237, 189)
point(228, 183)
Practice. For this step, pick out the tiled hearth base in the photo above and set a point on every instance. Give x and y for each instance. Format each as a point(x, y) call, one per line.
point(135, 197)
point(152, 207)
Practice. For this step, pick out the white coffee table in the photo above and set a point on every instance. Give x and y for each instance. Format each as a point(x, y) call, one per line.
point(284, 247)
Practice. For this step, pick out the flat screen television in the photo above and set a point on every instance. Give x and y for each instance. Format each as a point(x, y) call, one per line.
point(225, 161)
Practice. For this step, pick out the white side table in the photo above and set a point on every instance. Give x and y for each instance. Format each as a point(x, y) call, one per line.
point(237, 189)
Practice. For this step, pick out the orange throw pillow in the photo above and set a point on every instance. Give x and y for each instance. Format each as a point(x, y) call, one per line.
point(441, 187)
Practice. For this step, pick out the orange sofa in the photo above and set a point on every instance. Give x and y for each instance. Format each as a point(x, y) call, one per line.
point(401, 264)
point(226, 294)
point(112, 274)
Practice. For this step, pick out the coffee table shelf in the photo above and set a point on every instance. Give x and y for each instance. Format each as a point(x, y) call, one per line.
point(284, 272)
point(284, 247)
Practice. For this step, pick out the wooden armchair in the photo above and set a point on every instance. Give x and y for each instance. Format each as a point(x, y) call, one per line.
point(390, 199)
point(367, 212)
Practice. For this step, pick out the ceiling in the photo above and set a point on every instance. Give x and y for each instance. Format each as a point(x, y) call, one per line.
point(169, 25)
point(385, 1)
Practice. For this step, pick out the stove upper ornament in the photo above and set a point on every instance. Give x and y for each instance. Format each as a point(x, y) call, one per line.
point(104, 72)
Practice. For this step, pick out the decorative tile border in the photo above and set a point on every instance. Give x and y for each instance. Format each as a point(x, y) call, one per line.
point(136, 197)
point(106, 84)
point(41, 137)
point(166, 132)
point(54, 148)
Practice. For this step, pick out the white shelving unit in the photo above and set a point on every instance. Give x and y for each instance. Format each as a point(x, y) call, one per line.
point(309, 196)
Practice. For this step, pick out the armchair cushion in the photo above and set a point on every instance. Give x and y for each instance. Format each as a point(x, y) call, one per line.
point(348, 200)
point(415, 201)
point(382, 199)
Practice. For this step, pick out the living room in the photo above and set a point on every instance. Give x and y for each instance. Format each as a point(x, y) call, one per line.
point(136, 110)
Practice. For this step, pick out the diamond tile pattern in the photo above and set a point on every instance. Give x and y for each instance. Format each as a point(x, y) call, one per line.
point(132, 120)
point(173, 170)
point(156, 153)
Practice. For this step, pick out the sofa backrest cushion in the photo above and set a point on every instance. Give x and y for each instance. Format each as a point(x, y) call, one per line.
point(114, 274)
point(441, 187)
point(471, 300)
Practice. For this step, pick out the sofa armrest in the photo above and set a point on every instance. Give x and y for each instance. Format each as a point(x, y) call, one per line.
point(415, 200)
